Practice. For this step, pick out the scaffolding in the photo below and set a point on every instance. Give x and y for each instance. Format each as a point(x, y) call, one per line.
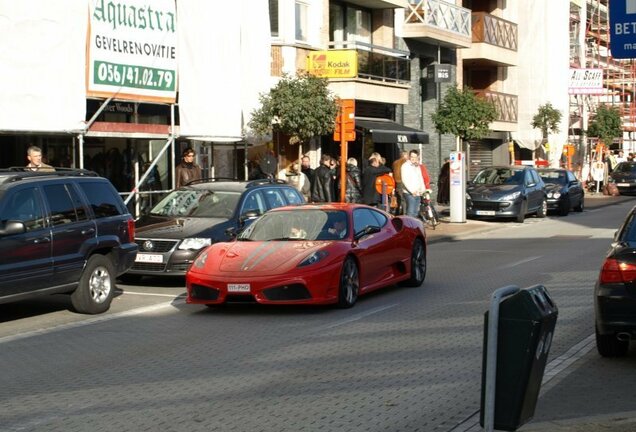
point(590, 48)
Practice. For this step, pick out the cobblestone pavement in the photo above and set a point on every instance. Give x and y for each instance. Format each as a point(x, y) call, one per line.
point(590, 394)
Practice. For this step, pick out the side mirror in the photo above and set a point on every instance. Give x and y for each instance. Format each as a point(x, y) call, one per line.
point(13, 227)
point(367, 230)
point(231, 232)
point(249, 215)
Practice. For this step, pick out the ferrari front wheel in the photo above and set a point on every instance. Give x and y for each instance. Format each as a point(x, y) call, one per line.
point(349, 284)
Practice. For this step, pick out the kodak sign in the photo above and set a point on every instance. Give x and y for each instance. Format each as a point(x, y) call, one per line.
point(333, 64)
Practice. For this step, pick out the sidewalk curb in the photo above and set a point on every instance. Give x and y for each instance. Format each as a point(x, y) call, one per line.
point(613, 422)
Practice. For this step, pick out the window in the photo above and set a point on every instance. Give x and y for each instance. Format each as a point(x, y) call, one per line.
point(25, 206)
point(253, 203)
point(363, 218)
point(274, 198)
point(103, 199)
point(273, 17)
point(61, 205)
point(301, 21)
point(349, 23)
point(293, 197)
point(358, 25)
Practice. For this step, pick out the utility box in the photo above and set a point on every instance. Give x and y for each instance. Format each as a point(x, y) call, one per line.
point(526, 325)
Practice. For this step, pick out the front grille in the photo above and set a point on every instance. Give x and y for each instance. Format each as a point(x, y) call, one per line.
point(153, 267)
point(287, 292)
point(201, 292)
point(486, 205)
point(158, 246)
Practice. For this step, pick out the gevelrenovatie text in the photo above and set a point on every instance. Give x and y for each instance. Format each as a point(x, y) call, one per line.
point(141, 18)
point(134, 47)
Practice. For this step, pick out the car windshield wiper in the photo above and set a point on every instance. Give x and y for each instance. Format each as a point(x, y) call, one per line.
point(283, 239)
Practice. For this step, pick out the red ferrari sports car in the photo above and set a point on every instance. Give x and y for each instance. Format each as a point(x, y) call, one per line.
point(312, 254)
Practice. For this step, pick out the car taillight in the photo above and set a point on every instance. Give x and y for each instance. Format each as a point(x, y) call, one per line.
point(131, 231)
point(615, 271)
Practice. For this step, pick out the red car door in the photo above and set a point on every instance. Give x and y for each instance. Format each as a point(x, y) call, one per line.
point(374, 250)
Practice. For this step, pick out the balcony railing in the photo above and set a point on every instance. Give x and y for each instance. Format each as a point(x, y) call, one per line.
point(494, 30)
point(379, 63)
point(507, 105)
point(439, 14)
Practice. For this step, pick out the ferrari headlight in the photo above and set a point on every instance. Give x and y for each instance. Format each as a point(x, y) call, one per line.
point(200, 261)
point(194, 243)
point(313, 258)
point(511, 197)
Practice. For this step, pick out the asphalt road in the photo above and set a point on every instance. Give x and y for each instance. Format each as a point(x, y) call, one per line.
point(403, 359)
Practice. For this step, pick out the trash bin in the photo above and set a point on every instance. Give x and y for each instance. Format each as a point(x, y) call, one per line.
point(526, 325)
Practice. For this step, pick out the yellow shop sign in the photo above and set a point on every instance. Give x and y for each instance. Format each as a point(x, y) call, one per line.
point(333, 64)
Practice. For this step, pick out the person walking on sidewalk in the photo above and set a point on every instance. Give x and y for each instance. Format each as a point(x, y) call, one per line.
point(187, 170)
point(397, 176)
point(413, 183)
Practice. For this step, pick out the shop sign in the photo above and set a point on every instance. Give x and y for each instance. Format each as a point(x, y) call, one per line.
point(333, 64)
point(585, 81)
point(132, 50)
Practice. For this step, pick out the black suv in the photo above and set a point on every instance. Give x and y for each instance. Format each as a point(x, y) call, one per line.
point(203, 212)
point(66, 231)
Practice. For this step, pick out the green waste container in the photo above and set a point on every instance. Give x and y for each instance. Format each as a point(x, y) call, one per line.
point(526, 325)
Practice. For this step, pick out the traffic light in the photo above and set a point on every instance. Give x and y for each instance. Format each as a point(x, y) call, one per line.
point(346, 116)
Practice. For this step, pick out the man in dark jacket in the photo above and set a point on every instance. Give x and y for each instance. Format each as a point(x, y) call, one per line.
point(322, 186)
point(187, 170)
point(305, 167)
point(370, 195)
point(353, 193)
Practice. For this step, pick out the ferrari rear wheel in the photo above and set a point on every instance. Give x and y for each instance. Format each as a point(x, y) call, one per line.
point(349, 284)
point(418, 264)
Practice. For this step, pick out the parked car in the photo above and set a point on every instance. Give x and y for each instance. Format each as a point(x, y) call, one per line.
point(624, 176)
point(66, 231)
point(506, 192)
point(615, 292)
point(192, 217)
point(313, 254)
point(563, 190)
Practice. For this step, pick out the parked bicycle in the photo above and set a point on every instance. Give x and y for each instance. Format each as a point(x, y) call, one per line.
point(427, 212)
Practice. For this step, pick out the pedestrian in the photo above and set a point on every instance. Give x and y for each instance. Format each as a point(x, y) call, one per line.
point(397, 176)
point(34, 156)
point(187, 170)
point(443, 183)
point(413, 183)
point(295, 177)
point(370, 195)
point(322, 187)
point(353, 193)
point(305, 167)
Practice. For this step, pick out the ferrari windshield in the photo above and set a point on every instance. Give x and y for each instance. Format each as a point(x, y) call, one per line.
point(197, 203)
point(298, 225)
point(499, 176)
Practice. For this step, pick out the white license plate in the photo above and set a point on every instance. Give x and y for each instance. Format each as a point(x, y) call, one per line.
point(149, 258)
point(238, 288)
point(485, 212)
point(623, 184)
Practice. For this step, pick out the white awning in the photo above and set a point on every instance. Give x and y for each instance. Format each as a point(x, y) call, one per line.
point(218, 88)
point(43, 58)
